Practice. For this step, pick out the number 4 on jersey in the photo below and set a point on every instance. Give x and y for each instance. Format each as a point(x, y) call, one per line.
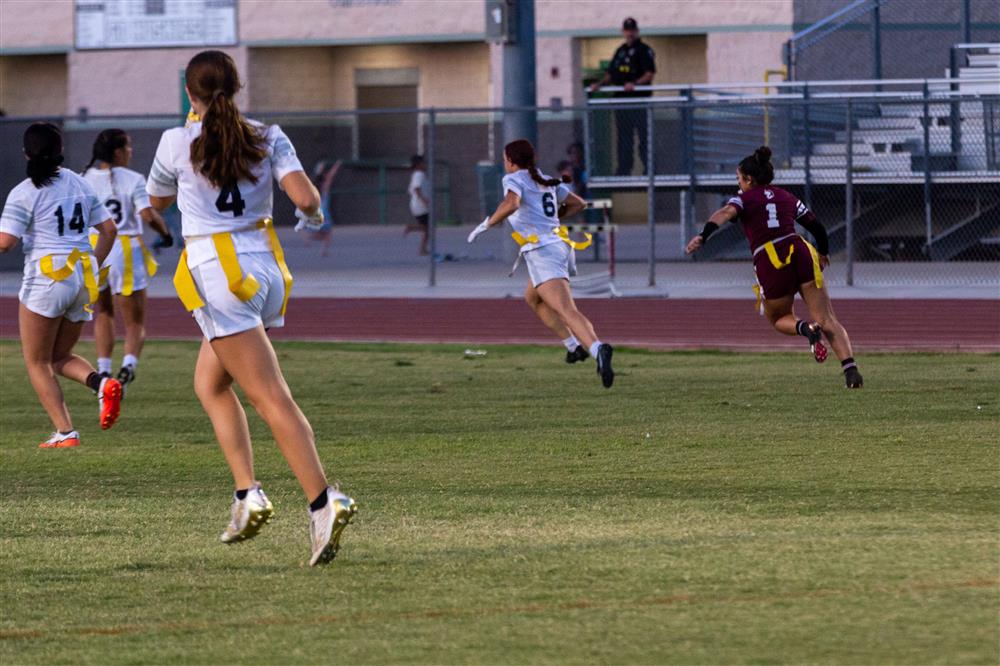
point(230, 200)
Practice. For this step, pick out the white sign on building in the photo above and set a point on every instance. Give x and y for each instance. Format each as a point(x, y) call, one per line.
point(136, 24)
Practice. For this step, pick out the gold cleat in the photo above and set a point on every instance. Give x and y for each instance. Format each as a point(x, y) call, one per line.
point(327, 525)
point(249, 515)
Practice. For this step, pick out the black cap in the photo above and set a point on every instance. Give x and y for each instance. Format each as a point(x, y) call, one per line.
point(630, 24)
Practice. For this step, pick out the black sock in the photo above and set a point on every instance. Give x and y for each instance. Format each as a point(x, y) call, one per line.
point(319, 502)
point(94, 382)
point(242, 494)
point(848, 363)
point(802, 327)
point(65, 432)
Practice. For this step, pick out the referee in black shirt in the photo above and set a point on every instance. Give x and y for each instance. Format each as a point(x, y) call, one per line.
point(633, 64)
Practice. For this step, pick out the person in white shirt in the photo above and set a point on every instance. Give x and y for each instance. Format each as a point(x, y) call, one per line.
point(233, 277)
point(534, 204)
point(50, 213)
point(419, 202)
point(130, 264)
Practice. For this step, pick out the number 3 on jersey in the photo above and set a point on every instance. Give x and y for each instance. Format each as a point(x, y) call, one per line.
point(772, 216)
point(549, 204)
point(230, 200)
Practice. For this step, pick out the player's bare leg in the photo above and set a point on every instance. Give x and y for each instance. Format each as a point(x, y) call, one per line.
point(779, 313)
point(821, 310)
point(546, 314)
point(133, 309)
point(38, 338)
point(556, 295)
point(104, 326)
point(250, 360)
point(214, 388)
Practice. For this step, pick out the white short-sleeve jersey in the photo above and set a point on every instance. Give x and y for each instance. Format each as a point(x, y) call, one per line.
point(206, 209)
point(53, 219)
point(538, 214)
point(123, 192)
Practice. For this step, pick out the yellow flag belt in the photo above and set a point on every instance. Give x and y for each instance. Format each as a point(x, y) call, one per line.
point(242, 285)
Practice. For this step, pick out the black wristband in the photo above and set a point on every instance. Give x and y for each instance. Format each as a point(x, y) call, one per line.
point(710, 228)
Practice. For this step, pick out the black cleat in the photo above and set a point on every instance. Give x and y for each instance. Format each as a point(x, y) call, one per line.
point(577, 355)
point(853, 378)
point(125, 377)
point(604, 368)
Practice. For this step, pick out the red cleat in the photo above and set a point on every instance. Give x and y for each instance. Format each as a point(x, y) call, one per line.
point(109, 398)
point(816, 345)
point(60, 441)
point(819, 351)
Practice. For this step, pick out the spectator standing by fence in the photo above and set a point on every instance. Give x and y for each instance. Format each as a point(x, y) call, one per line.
point(633, 64)
point(418, 201)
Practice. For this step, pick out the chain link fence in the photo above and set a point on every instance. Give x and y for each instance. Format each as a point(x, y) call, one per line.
point(917, 166)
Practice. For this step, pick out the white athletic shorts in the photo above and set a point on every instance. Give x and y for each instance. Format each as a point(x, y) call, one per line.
point(223, 313)
point(550, 262)
point(116, 267)
point(44, 296)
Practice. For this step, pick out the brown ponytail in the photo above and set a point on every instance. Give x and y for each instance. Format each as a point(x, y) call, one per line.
point(521, 153)
point(228, 146)
point(43, 147)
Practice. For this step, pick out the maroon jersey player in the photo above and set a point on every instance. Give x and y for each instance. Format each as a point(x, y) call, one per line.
point(784, 262)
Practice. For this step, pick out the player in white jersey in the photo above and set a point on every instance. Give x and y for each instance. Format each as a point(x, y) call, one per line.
point(50, 213)
point(130, 264)
point(232, 276)
point(534, 204)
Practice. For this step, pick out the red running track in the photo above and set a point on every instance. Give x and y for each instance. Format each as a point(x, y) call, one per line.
point(890, 325)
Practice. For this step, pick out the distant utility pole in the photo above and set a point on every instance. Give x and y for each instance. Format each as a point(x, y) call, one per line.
point(512, 22)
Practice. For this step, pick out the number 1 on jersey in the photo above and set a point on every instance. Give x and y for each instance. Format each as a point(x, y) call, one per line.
point(230, 200)
point(772, 216)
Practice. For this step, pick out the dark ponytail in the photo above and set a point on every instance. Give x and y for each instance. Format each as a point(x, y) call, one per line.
point(521, 153)
point(105, 145)
point(758, 166)
point(228, 146)
point(43, 147)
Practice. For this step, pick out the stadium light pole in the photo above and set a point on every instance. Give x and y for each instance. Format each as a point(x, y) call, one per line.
point(519, 86)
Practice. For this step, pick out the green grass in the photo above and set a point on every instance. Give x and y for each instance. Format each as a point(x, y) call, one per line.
point(711, 508)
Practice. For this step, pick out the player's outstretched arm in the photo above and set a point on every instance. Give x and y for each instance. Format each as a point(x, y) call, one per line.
point(507, 207)
point(718, 218)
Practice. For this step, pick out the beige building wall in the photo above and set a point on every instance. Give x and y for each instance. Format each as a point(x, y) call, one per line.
point(33, 85)
point(136, 81)
point(318, 78)
point(35, 25)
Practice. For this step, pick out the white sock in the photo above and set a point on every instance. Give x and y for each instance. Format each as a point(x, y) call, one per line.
point(103, 365)
point(594, 347)
point(130, 359)
point(571, 343)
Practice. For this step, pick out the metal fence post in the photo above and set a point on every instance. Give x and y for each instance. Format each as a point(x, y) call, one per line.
point(431, 217)
point(877, 44)
point(687, 111)
point(849, 195)
point(807, 132)
point(927, 166)
point(588, 159)
point(651, 191)
point(955, 118)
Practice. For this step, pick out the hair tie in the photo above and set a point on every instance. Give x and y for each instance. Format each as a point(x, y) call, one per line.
point(217, 94)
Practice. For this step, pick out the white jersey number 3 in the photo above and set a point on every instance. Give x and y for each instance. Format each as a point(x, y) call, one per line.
point(772, 216)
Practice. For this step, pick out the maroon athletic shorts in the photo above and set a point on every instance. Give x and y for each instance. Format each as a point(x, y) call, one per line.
point(780, 273)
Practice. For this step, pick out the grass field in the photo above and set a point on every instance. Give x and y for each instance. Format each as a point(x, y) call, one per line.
point(711, 508)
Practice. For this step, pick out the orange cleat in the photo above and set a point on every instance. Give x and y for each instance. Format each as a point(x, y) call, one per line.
point(109, 398)
point(61, 441)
